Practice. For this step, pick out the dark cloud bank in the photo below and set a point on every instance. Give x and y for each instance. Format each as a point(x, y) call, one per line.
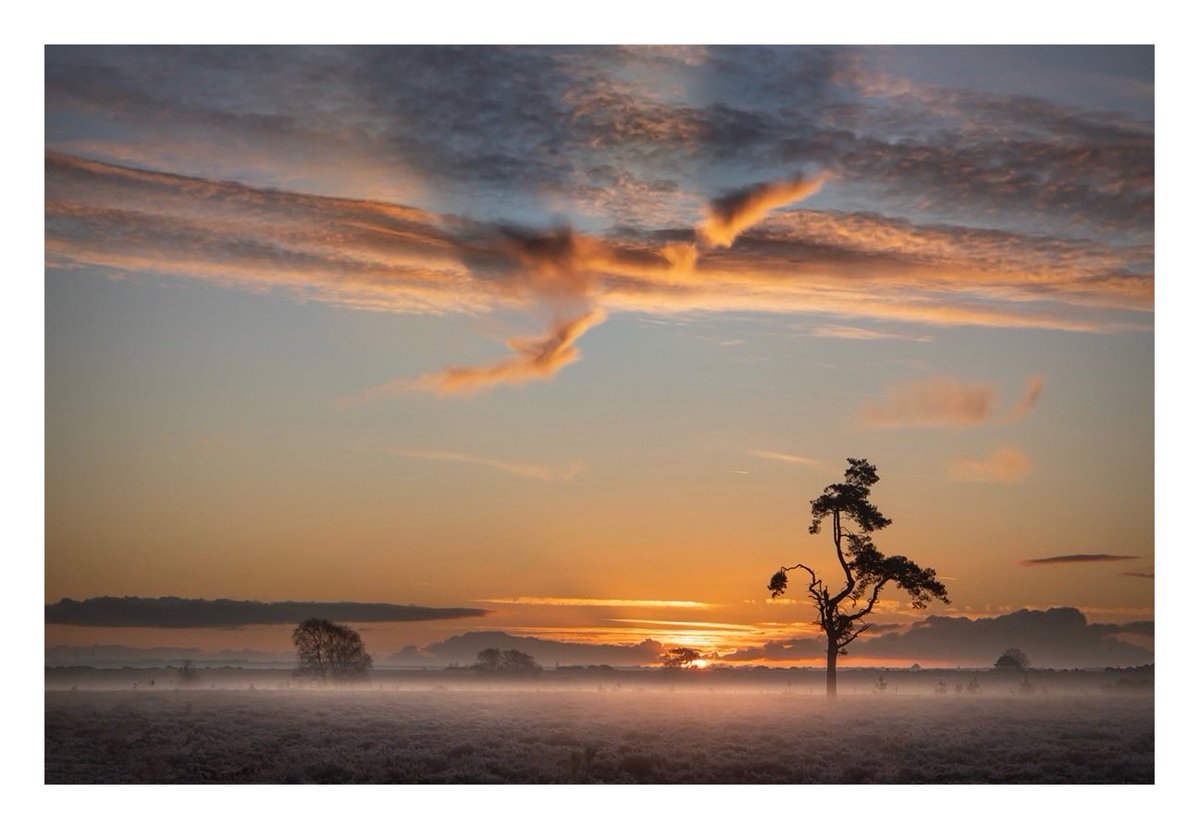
point(173, 612)
point(592, 123)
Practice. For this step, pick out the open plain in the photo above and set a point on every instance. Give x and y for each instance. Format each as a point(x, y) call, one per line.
point(604, 733)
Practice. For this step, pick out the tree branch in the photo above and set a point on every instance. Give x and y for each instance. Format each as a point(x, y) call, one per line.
point(854, 636)
point(837, 546)
point(858, 615)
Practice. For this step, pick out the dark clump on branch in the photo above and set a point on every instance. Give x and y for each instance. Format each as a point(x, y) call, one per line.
point(865, 570)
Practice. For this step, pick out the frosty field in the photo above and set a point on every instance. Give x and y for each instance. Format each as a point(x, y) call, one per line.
point(594, 734)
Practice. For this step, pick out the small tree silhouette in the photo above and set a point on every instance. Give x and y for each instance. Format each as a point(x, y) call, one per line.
point(328, 651)
point(865, 570)
point(1013, 660)
point(679, 658)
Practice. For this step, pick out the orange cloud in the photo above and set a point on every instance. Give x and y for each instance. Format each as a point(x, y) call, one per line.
point(732, 214)
point(535, 358)
point(370, 254)
point(946, 401)
point(935, 401)
point(1002, 466)
point(589, 602)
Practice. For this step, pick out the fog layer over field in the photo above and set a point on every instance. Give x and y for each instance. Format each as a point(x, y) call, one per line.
point(611, 731)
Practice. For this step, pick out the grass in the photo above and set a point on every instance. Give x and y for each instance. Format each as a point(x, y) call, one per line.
point(481, 735)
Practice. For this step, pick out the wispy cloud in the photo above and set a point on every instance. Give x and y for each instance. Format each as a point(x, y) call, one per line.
point(1033, 391)
point(733, 213)
point(858, 333)
point(945, 401)
point(770, 455)
point(370, 254)
point(1076, 558)
point(1146, 574)
point(600, 603)
point(935, 401)
point(541, 472)
point(1003, 465)
point(685, 624)
point(534, 358)
point(379, 255)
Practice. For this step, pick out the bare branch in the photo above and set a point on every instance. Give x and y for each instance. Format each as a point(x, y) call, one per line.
point(842, 643)
point(871, 602)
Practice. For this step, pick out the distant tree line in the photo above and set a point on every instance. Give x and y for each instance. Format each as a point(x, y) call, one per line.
point(495, 661)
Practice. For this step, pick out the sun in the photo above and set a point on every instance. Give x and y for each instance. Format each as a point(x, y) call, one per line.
point(699, 664)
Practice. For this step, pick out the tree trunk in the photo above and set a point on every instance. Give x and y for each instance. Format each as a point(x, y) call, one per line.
point(831, 655)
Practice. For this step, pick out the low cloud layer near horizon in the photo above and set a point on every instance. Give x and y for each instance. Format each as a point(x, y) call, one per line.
point(1054, 638)
point(175, 612)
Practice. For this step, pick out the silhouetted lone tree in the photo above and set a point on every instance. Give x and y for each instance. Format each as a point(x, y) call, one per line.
point(680, 658)
point(329, 651)
point(865, 570)
point(1014, 660)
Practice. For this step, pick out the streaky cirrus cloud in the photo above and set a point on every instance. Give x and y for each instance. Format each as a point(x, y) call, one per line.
point(1076, 559)
point(370, 254)
point(942, 400)
point(734, 212)
point(1003, 466)
point(589, 602)
point(1146, 574)
point(840, 332)
point(542, 472)
point(771, 455)
point(686, 624)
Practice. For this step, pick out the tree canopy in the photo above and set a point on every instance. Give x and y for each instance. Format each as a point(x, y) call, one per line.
point(865, 570)
point(328, 651)
point(680, 658)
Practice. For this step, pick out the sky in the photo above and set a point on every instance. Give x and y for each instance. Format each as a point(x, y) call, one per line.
point(573, 335)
